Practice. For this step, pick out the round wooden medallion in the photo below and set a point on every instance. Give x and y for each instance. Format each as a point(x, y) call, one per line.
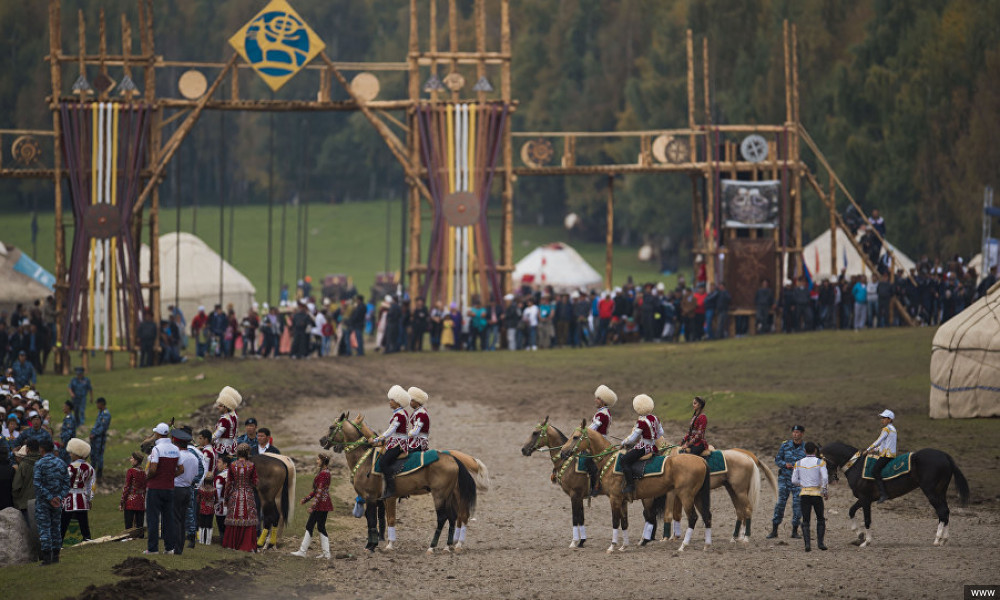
point(460, 209)
point(192, 84)
point(454, 81)
point(101, 221)
point(365, 86)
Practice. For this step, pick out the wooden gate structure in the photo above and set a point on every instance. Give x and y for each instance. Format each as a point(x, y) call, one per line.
point(452, 141)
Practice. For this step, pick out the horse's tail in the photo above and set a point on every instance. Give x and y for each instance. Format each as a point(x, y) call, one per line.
point(482, 477)
point(659, 507)
point(771, 478)
point(466, 488)
point(705, 496)
point(754, 488)
point(960, 482)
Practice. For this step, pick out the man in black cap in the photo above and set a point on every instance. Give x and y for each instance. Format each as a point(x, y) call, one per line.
point(250, 437)
point(790, 452)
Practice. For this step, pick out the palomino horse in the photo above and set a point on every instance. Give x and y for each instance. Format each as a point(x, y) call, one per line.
point(685, 475)
point(931, 470)
point(447, 480)
point(479, 473)
point(576, 485)
point(275, 488)
point(742, 482)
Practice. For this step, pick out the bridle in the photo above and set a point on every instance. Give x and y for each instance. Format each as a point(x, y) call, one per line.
point(338, 427)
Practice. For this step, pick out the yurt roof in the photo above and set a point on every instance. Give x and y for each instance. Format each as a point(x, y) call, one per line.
point(816, 255)
point(16, 287)
point(965, 362)
point(559, 265)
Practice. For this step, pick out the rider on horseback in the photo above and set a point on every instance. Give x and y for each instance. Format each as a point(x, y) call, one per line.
point(420, 421)
point(604, 398)
point(694, 442)
point(647, 429)
point(395, 438)
point(885, 448)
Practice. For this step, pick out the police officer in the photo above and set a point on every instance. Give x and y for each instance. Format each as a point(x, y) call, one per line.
point(67, 431)
point(51, 480)
point(34, 432)
point(788, 454)
point(80, 388)
point(99, 437)
point(250, 437)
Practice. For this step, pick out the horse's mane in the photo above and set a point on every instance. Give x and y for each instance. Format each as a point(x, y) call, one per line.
point(838, 448)
point(563, 435)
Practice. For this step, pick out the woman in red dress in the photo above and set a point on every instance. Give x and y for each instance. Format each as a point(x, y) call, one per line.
point(241, 509)
point(318, 511)
point(134, 494)
point(694, 442)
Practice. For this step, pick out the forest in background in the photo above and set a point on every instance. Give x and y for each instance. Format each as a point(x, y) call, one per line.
point(902, 97)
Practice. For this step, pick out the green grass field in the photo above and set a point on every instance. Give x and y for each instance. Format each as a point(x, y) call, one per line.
point(832, 382)
point(343, 238)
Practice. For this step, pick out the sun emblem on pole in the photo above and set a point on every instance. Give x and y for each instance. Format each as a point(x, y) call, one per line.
point(277, 43)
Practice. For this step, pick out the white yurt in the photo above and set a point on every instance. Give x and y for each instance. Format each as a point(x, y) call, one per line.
point(965, 362)
point(816, 255)
point(199, 276)
point(22, 281)
point(559, 265)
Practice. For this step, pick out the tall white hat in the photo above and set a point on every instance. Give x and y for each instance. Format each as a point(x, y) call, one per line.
point(643, 404)
point(398, 394)
point(605, 395)
point(418, 394)
point(78, 447)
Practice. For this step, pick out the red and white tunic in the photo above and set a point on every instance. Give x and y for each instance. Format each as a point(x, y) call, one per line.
point(647, 429)
point(81, 486)
point(420, 429)
point(321, 492)
point(224, 438)
point(220, 491)
point(602, 421)
point(241, 507)
point(395, 436)
point(206, 499)
point(211, 458)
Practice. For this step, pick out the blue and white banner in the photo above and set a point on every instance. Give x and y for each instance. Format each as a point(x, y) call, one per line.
point(29, 267)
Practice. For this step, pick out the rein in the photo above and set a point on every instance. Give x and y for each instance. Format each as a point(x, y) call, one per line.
point(576, 451)
point(543, 432)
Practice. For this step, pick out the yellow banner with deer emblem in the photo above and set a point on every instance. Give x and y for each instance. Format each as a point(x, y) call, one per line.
point(277, 43)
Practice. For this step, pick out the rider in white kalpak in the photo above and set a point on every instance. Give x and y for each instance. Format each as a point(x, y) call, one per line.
point(647, 429)
point(395, 438)
point(224, 438)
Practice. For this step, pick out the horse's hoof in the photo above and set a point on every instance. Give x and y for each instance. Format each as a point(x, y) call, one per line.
point(745, 540)
point(622, 548)
point(937, 542)
point(611, 549)
point(944, 541)
point(682, 546)
point(458, 546)
point(456, 549)
point(733, 540)
point(709, 548)
point(574, 544)
point(582, 542)
point(430, 551)
point(856, 542)
point(389, 547)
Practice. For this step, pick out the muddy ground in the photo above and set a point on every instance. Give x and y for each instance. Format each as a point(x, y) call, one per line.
point(518, 543)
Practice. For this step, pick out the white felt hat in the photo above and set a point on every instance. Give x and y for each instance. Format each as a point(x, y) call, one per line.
point(398, 394)
point(418, 394)
point(78, 447)
point(229, 398)
point(643, 404)
point(605, 395)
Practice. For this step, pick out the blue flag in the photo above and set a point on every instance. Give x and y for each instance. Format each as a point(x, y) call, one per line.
point(34, 227)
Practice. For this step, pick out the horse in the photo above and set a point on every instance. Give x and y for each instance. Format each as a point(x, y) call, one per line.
point(275, 488)
point(742, 482)
point(931, 470)
point(686, 475)
point(448, 481)
point(576, 485)
point(479, 473)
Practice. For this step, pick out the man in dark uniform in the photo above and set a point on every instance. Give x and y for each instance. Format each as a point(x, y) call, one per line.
point(79, 389)
point(51, 478)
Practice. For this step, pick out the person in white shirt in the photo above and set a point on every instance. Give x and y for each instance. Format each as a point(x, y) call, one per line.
point(183, 483)
point(530, 316)
point(810, 473)
point(885, 449)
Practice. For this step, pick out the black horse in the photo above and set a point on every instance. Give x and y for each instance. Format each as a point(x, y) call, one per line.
point(931, 470)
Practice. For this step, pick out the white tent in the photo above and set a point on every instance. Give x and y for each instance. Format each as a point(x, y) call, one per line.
point(559, 265)
point(17, 285)
point(965, 362)
point(816, 255)
point(199, 276)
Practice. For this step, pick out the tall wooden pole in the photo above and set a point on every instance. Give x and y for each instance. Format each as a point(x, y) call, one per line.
point(413, 142)
point(453, 40)
point(480, 45)
point(691, 96)
point(609, 236)
point(833, 228)
point(710, 191)
point(799, 167)
point(155, 153)
point(507, 243)
point(61, 357)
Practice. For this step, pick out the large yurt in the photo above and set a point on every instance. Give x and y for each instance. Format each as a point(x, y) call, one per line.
point(198, 283)
point(559, 265)
point(816, 255)
point(965, 362)
point(22, 281)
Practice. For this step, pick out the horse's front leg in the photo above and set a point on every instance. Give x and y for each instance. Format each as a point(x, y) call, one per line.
point(576, 510)
point(624, 538)
point(867, 508)
point(387, 522)
point(371, 519)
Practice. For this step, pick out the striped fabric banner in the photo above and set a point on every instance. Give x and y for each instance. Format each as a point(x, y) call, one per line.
point(104, 147)
point(460, 146)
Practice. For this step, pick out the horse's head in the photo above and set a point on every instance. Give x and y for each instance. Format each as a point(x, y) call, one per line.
point(146, 445)
point(576, 442)
point(335, 436)
point(836, 455)
point(539, 438)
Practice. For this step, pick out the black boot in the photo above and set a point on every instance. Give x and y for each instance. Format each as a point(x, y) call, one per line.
point(795, 532)
point(881, 491)
point(46, 556)
point(390, 487)
point(55, 555)
point(774, 532)
point(191, 541)
point(820, 532)
point(805, 536)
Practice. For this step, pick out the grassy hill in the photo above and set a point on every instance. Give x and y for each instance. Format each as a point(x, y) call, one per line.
point(343, 238)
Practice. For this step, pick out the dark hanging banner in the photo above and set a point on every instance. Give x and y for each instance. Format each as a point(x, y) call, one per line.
point(750, 204)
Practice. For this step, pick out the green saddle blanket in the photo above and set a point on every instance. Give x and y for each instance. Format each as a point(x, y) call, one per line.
point(896, 467)
point(653, 466)
point(717, 462)
point(581, 464)
point(414, 462)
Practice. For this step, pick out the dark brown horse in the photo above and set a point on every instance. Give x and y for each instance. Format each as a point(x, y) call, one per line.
point(931, 470)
